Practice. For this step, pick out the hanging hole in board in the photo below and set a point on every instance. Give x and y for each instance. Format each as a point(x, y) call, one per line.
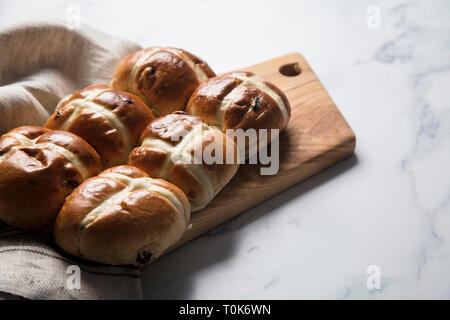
point(290, 69)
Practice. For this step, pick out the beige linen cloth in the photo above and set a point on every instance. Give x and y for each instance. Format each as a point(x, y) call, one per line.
point(40, 63)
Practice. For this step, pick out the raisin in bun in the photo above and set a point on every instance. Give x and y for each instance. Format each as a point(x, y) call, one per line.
point(163, 77)
point(39, 168)
point(241, 100)
point(194, 156)
point(110, 120)
point(121, 217)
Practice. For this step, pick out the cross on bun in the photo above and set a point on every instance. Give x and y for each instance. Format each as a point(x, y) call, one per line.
point(122, 216)
point(39, 168)
point(110, 120)
point(163, 77)
point(175, 147)
point(240, 100)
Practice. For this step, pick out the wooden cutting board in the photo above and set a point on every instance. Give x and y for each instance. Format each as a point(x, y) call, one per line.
point(316, 137)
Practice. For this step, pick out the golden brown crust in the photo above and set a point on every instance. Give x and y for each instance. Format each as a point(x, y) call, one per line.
point(163, 77)
point(79, 147)
point(121, 234)
point(244, 113)
point(112, 136)
point(240, 100)
point(207, 98)
point(128, 171)
point(181, 176)
point(95, 190)
point(130, 109)
point(133, 229)
point(169, 147)
point(35, 177)
point(150, 160)
point(31, 132)
point(219, 173)
point(98, 132)
point(171, 128)
point(122, 75)
point(198, 62)
point(279, 92)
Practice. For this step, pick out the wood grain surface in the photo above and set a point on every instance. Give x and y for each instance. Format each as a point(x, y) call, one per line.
point(316, 137)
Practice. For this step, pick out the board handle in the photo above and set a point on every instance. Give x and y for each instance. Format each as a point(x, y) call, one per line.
point(290, 69)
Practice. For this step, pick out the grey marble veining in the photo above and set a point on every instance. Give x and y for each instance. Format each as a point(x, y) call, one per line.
point(389, 205)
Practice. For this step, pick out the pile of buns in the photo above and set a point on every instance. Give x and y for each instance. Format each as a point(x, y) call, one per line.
point(112, 173)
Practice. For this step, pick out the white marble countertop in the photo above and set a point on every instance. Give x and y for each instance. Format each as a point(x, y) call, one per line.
point(387, 206)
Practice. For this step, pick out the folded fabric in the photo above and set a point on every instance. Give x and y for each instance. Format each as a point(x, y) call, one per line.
point(40, 63)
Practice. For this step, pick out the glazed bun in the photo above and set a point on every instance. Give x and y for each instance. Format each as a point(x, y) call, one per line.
point(110, 120)
point(122, 217)
point(240, 100)
point(39, 168)
point(163, 77)
point(177, 148)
